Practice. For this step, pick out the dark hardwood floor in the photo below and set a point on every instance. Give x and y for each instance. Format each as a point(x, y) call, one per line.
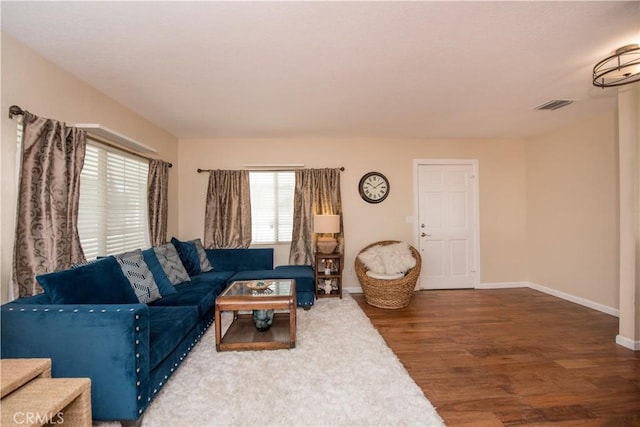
point(513, 357)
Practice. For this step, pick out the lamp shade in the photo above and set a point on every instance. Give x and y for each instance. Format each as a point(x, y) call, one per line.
point(326, 223)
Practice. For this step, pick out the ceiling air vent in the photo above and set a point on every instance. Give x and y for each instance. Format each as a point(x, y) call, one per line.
point(553, 104)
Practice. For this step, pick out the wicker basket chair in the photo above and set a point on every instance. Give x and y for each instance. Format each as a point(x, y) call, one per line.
point(390, 294)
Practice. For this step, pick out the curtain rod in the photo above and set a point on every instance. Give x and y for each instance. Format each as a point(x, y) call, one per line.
point(263, 170)
point(14, 110)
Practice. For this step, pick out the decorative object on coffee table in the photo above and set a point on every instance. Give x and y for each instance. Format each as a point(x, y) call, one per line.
point(326, 224)
point(263, 319)
point(258, 285)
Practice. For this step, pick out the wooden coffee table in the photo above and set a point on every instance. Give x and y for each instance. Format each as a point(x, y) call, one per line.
point(242, 333)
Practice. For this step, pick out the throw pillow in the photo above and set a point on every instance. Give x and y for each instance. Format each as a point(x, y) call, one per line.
point(205, 265)
point(139, 275)
point(161, 279)
point(397, 258)
point(98, 282)
point(372, 260)
point(188, 255)
point(382, 276)
point(170, 261)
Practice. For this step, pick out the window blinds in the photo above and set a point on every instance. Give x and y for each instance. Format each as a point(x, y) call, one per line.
point(113, 202)
point(271, 206)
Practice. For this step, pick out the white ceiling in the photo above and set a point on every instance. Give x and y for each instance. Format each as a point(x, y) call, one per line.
point(336, 69)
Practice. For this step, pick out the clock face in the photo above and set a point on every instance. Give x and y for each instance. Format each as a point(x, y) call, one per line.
point(373, 187)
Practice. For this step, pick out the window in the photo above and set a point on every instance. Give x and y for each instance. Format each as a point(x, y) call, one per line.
point(271, 206)
point(113, 202)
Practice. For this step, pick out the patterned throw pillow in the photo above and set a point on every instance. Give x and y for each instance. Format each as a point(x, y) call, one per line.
point(205, 265)
point(165, 286)
point(170, 261)
point(139, 275)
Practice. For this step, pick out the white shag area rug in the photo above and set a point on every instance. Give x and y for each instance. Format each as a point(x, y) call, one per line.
point(341, 373)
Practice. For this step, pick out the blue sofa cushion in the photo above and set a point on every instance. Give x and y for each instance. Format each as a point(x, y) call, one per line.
point(137, 272)
point(193, 256)
point(171, 263)
point(215, 279)
point(39, 299)
point(200, 292)
point(98, 282)
point(302, 274)
point(188, 255)
point(240, 259)
point(164, 285)
point(168, 326)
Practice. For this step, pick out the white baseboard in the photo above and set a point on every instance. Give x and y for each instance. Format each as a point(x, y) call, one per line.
point(506, 285)
point(502, 285)
point(578, 300)
point(565, 296)
point(628, 343)
point(353, 290)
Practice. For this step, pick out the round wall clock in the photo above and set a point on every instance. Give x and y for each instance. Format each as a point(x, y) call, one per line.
point(373, 187)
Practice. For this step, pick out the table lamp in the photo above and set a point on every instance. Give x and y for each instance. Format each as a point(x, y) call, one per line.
point(326, 224)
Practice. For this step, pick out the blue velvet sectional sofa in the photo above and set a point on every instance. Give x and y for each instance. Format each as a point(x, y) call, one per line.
point(130, 349)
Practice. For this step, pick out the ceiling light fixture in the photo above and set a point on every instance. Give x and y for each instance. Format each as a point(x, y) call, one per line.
point(621, 68)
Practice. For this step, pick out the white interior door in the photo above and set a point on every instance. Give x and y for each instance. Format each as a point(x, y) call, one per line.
point(448, 225)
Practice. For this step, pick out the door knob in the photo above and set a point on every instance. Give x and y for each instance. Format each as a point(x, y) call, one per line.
point(425, 235)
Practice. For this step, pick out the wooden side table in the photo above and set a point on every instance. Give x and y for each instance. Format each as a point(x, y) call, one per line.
point(17, 372)
point(328, 275)
point(31, 398)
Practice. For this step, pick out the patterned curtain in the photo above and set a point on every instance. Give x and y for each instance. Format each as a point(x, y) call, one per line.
point(48, 195)
point(227, 222)
point(317, 192)
point(158, 182)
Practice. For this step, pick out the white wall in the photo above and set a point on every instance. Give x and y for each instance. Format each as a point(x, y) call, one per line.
point(502, 189)
point(37, 85)
point(629, 157)
point(572, 210)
